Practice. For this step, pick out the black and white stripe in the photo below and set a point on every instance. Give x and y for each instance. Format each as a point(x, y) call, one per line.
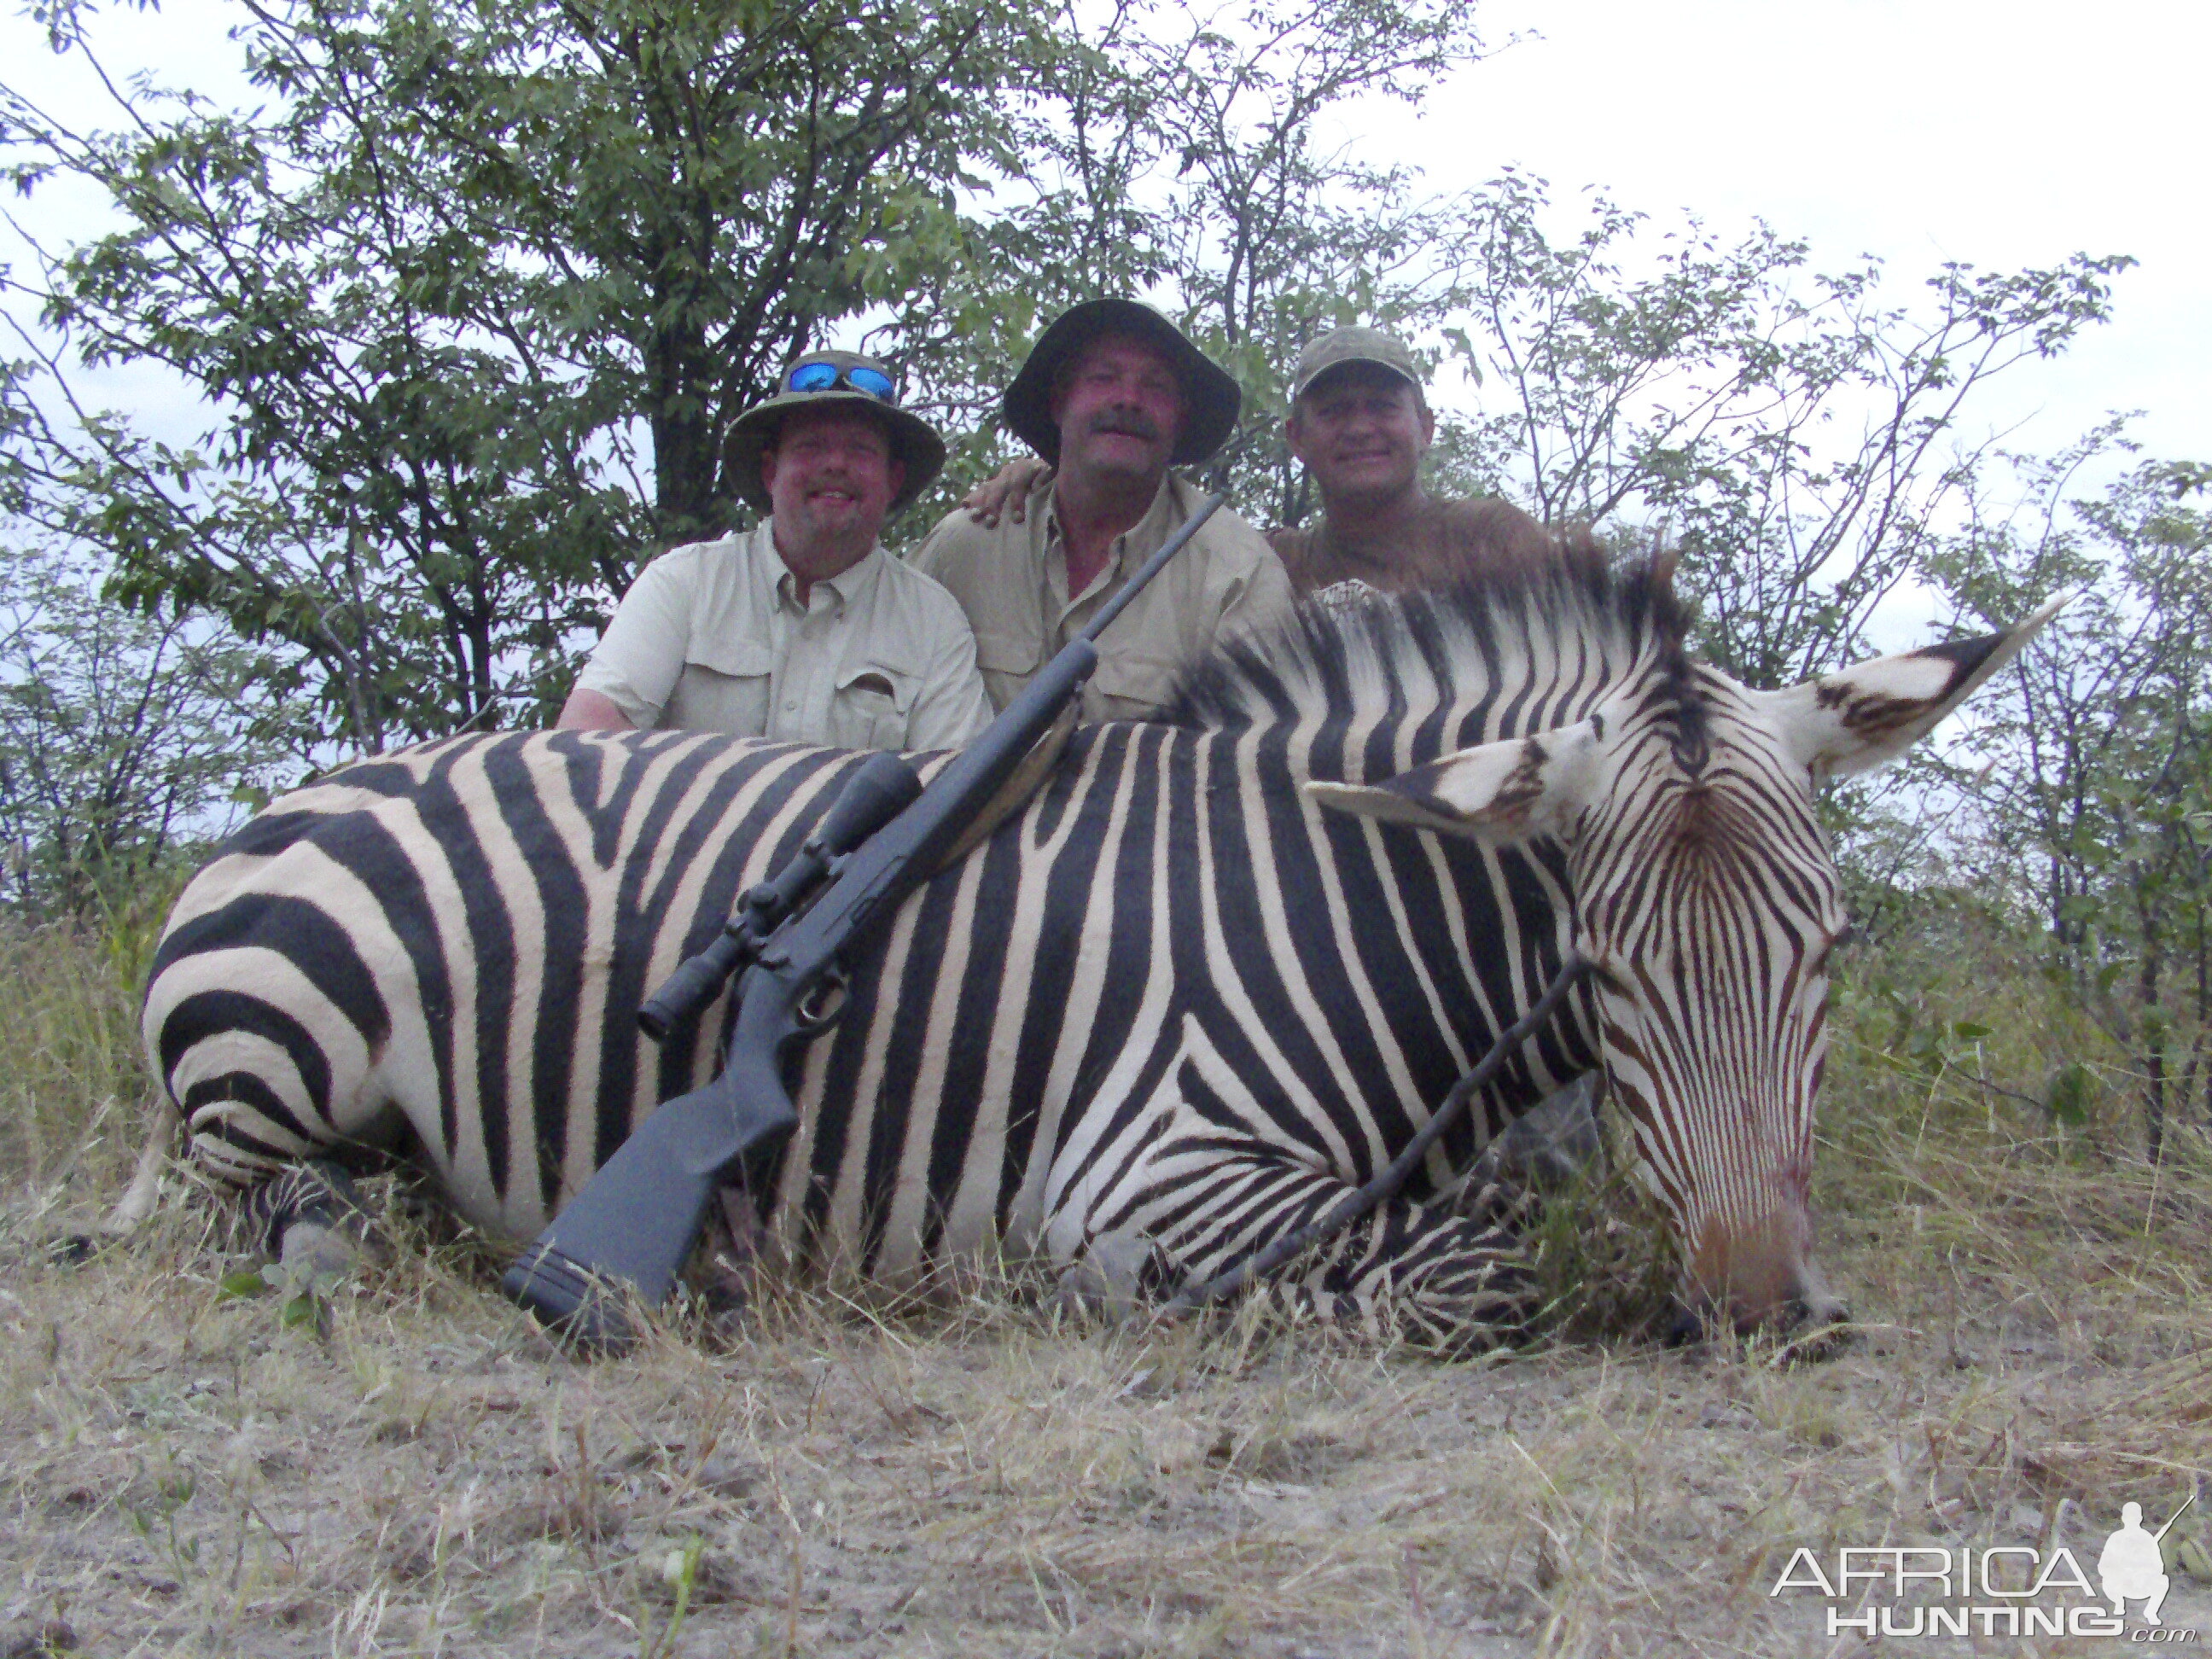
point(1164, 1014)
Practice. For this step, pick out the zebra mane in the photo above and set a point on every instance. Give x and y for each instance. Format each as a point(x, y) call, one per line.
point(1425, 651)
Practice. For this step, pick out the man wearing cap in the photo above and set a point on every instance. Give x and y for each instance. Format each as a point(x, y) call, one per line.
point(1112, 396)
point(1360, 422)
point(803, 629)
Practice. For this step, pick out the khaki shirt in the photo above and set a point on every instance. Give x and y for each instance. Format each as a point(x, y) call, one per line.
point(1011, 579)
point(711, 637)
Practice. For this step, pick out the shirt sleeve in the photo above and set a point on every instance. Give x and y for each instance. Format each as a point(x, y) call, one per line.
point(639, 659)
point(1259, 598)
point(951, 708)
point(928, 557)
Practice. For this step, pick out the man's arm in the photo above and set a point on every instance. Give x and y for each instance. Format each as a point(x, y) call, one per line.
point(633, 668)
point(952, 707)
point(587, 710)
point(1006, 492)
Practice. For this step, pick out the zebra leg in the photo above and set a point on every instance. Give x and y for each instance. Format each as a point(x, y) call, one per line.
point(314, 1219)
point(1405, 1271)
point(1115, 1276)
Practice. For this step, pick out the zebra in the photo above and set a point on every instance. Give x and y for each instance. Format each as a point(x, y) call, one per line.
point(1220, 968)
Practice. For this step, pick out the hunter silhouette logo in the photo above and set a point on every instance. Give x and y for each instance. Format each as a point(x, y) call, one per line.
point(2132, 1567)
point(1998, 1589)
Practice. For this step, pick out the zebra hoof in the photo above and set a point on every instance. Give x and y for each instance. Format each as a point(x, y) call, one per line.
point(316, 1222)
point(1816, 1330)
point(1549, 1148)
point(1686, 1328)
point(1111, 1280)
point(73, 1249)
point(310, 1246)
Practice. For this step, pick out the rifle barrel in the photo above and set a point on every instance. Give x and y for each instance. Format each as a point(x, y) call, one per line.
point(1119, 600)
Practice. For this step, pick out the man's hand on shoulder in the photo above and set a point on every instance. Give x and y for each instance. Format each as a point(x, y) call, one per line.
point(1006, 493)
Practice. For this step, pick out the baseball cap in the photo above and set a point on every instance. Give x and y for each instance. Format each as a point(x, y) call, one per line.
point(1354, 344)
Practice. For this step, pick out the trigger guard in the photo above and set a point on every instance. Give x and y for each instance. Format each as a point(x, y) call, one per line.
point(811, 1016)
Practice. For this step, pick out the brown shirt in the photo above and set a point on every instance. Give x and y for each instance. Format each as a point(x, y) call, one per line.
point(1450, 541)
point(1011, 579)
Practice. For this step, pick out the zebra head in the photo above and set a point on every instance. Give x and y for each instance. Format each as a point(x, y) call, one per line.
point(1707, 903)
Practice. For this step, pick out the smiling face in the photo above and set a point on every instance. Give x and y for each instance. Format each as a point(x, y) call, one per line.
point(830, 476)
point(1119, 405)
point(1361, 431)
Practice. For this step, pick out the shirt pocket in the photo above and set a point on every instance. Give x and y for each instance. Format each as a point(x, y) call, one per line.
point(871, 705)
point(1128, 686)
point(723, 687)
point(1007, 662)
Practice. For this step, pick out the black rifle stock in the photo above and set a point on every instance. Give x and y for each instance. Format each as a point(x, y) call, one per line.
point(628, 1232)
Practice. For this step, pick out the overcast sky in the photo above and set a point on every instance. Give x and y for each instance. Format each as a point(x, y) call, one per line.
point(2004, 133)
point(1999, 132)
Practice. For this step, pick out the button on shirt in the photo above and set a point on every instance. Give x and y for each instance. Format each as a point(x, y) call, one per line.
point(712, 637)
point(1011, 579)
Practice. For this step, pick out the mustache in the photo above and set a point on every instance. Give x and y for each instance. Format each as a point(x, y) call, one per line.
point(1129, 422)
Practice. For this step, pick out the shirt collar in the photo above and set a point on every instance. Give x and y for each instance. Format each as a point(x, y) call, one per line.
point(848, 587)
point(1140, 539)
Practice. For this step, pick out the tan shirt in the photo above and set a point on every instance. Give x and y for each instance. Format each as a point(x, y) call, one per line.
point(711, 637)
point(1011, 579)
point(1450, 541)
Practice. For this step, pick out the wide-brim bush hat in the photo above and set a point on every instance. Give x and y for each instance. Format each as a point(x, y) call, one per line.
point(1211, 397)
point(818, 381)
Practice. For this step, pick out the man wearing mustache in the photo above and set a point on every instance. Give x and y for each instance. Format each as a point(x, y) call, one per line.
point(1112, 396)
point(1360, 424)
point(803, 629)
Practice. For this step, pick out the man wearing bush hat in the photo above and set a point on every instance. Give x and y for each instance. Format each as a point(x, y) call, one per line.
point(803, 629)
point(1360, 424)
point(1113, 395)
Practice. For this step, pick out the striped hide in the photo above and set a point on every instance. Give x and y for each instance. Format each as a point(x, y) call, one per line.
point(1218, 969)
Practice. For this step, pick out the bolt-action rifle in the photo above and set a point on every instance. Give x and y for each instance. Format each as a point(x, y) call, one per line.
point(628, 1232)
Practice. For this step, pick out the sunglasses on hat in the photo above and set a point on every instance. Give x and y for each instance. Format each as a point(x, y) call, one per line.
point(825, 377)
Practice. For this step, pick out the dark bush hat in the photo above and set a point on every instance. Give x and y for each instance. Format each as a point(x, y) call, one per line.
point(1211, 398)
point(865, 383)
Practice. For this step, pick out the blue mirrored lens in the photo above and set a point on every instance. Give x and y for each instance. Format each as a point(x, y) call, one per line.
point(812, 377)
point(868, 380)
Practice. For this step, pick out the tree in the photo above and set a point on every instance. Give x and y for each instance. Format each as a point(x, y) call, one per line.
point(478, 299)
point(1796, 437)
point(2103, 808)
point(1176, 151)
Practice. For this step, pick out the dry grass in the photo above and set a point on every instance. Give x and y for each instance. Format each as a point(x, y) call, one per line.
point(184, 1475)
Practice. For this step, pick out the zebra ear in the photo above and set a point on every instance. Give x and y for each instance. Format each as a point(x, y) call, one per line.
point(1860, 717)
point(1496, 791)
